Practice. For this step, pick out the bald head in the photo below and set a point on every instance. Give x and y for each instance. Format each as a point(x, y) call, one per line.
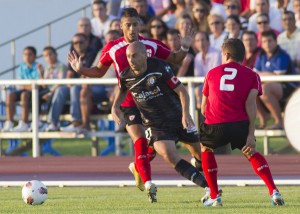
point(137, 56)
point(84, 26)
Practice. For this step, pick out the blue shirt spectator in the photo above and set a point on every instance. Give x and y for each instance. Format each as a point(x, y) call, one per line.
point(26, 72)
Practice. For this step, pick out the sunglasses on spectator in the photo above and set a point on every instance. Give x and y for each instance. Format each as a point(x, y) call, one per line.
point(156, 26)
point(233, 7)
point(215, 23)
point(199, 10)
point(78, 42)
point(262, 22)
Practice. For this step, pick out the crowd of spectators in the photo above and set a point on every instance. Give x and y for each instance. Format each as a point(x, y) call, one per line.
point(269, 29)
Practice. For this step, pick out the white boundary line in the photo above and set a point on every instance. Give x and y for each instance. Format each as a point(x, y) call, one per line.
point(125, 183)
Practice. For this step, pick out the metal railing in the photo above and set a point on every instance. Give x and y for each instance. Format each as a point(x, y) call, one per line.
point(48, 25)
point(190, 81)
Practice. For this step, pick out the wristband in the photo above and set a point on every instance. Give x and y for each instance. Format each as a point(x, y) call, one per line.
point(184, 49)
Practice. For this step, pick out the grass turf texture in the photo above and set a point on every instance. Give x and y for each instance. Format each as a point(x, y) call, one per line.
point(251, 199)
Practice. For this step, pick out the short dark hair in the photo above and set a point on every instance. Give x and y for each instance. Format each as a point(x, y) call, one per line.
point(81, 35)
point(173, 31)
point(129, 12)
point(249, 32)
point(100, 2)
point(32, 49)
point(235, 18)
point(265, 15)
point(235, 48)
point(269, 33)
point(286, 12)
point(50, 48)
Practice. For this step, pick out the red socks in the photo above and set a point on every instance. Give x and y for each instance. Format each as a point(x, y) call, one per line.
point(151, 153)
point(210, 170)
point(261, 168)
point(142, 163)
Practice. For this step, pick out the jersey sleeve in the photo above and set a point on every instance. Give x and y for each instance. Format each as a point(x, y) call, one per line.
point(105, 58)
point(162, 51)
point(169, 77)
point(205, 88)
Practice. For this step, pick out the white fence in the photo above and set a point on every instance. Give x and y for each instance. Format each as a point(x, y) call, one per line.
point(190, 81)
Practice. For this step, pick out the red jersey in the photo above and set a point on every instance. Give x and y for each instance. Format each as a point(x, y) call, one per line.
point(115, 53)
point(226, 88)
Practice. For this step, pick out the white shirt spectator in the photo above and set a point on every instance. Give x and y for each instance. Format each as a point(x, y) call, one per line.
point(212, 59)
point(273, 4)
point(275, 21)
point(159, 5)
point(217, 43)
point(290, 45)
point(100, 29)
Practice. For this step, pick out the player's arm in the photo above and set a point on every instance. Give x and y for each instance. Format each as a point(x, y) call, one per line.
point(250, 106)
point(76, 63)
point(186, 41)
point(187, 120)
point(120, 96)
point(185, 65)
point(203, 104)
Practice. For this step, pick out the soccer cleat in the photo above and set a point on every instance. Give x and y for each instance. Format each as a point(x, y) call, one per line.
point(151, 192)
point(213, 202)
point(207, 194)
point(277, 199)
point(138, 181)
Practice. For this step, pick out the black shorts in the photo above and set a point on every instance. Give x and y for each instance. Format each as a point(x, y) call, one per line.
point(132, 115)
point(175, 134)
point(288, 89)
point(218, 135)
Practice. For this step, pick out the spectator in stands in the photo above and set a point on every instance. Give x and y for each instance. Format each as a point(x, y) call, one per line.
point(216, 8)
point(141, 7)
point(296, 5)
point(233, 7)
point(177, 8)
point(233, 27)
point(206, 59)
point(158, 29)
point(160, 7)
point(54, 70)
point(289, 40)
point(115, 24)
point(200, 13)
point(216, 26)
point(28, 69)
point(101, 21)
point(72, 93)
point(186, 67)
point(84, 26)
point(263, 6)
point(252, 50)
point(263, 24)
point(273, 61)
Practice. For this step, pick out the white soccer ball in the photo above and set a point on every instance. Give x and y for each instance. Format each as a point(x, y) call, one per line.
point(34, 192)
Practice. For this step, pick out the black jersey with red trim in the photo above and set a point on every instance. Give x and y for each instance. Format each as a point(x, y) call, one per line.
point(153, 94)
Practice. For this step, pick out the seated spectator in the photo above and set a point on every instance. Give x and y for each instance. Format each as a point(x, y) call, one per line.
point(233, 27)
point(289, 40)
point(101, 21)
point(216, 26)
point(160, 7)
point(263, 24)
point(273, 61)
point(206, 59)
point(115, 24)
point(29, 69)
point(158, 29)
point(176, 9)
point(252, 50)
point(216, 8)
point(186, 68)
point(54, 70)
point(72, 93)
point(263, 6)
point(84, 26)
point(233, 7)
point(200, 13)
point(141, 7)
point(296, 5)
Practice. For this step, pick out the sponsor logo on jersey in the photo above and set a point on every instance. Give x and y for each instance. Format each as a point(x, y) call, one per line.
point(147, 95)
point(131, 117)
point(149, 53)
point(168, 68)
point(151, 80)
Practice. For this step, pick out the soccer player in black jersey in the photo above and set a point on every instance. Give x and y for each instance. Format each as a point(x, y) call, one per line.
point(164, 105)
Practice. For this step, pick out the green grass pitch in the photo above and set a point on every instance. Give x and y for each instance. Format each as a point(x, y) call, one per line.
point(173, 200)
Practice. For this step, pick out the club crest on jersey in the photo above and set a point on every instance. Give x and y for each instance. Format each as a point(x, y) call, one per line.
point(151, 80)
point(149, 53)
point(131, 117)
point(174, 79)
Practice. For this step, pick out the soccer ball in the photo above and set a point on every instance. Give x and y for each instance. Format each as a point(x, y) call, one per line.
point(34, 192)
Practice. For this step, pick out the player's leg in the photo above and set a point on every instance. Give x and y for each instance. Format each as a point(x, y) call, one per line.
point(261, 168)
point(167, 149)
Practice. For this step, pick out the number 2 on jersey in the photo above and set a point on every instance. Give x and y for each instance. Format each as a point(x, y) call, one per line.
point(223, 85)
